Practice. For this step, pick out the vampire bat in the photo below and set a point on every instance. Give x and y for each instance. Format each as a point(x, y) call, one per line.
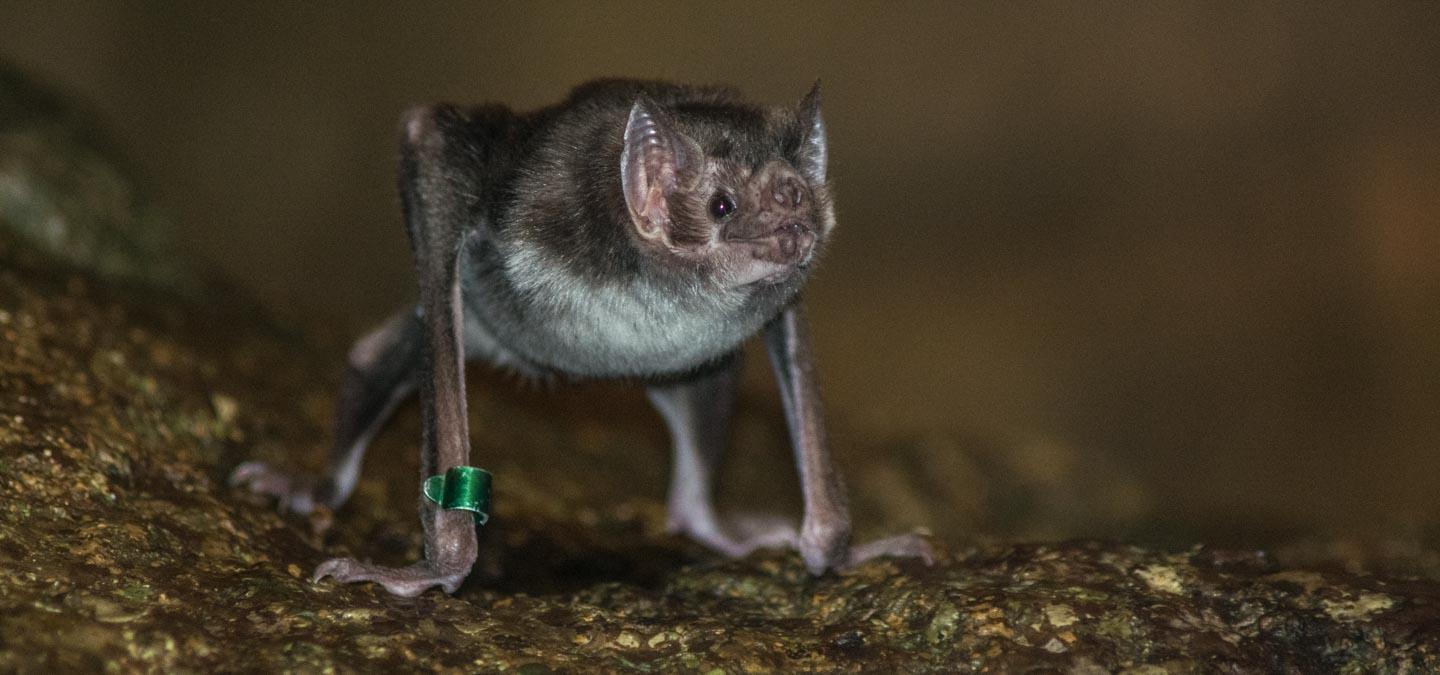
point(637, 230)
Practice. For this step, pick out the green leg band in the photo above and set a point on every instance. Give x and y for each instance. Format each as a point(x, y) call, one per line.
point(464, 488)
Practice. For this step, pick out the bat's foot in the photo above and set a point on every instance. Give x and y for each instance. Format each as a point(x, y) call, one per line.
point(403, 581)
point(293, 492)
point(741, 536)
point(826, 546)
point(909, 545)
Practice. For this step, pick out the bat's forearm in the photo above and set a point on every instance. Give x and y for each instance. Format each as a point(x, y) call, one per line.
point(825, 530)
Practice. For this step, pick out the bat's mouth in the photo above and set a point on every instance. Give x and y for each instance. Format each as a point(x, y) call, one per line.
point(777, 254)
point(786, 244)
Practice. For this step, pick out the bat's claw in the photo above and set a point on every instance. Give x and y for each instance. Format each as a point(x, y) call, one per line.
point(294, 493)
point(402, 581)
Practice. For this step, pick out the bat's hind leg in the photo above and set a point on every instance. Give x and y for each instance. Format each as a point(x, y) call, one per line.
point(697, 412)
point(380, 374)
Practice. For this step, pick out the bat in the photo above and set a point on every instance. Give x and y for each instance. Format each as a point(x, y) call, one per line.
point(640, 230)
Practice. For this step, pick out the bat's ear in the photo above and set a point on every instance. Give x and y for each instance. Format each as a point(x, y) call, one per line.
point(656, 161)
point(813, 156)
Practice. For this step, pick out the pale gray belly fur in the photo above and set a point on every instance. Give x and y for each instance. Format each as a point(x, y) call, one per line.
point(608, 330)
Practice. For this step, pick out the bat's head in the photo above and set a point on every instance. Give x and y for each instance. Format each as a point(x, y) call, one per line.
point(736, 196)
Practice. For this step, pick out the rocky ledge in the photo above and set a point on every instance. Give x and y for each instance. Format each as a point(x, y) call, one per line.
point(122, 409)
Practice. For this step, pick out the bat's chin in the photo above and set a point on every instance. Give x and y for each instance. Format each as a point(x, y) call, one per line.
point(764, 273)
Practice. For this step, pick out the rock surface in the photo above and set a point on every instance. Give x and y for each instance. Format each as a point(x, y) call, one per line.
point(123, 407)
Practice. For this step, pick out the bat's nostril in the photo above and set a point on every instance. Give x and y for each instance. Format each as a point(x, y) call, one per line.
point(788, 192)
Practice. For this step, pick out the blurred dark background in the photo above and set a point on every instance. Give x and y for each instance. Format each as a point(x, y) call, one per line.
point(1199, 240)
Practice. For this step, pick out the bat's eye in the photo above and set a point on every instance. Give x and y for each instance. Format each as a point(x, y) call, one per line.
point(721, 205)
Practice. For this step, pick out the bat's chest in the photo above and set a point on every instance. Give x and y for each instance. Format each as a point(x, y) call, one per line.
point(618, 332)
point(545, 316)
